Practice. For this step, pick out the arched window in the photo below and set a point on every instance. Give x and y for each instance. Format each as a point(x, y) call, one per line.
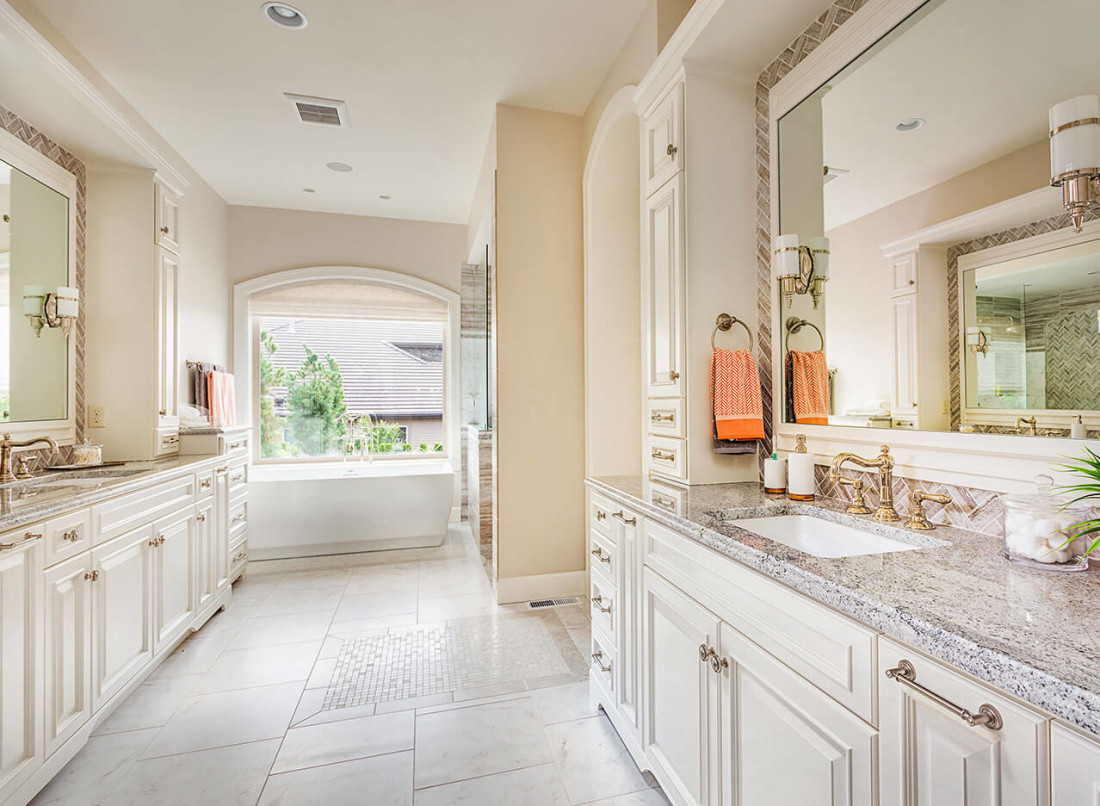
point(348, 363)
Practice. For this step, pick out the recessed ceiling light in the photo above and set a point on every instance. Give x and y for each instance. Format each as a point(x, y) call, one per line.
point(339, 167)
point(285, 16)
point(909, 124)
point(308, 190)
point(384, 198)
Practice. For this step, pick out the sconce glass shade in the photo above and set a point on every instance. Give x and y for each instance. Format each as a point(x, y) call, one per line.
point(785, 256)
point(68, 301)
point(33, 298)
point(1074, 136)
point(819, 248)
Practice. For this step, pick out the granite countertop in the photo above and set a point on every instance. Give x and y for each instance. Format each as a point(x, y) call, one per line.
point(1030, 632)
point(52, 493)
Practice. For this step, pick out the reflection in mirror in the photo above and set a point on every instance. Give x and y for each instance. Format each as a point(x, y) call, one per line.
point(34, 252)
point(894, 175)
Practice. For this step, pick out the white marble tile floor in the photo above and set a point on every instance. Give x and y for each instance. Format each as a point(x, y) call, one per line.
point(437, 709)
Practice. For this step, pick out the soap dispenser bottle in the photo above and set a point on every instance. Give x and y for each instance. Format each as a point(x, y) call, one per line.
point(1078, 429)
point(801, 484)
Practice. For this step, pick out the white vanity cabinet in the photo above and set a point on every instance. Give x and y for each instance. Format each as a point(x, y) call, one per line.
point(68, 649)
point(174, 571)
point(931, 757)
point(681, 692)
point(1075, 767)
point(663, 139)
point(166, 216)
point(21, 741)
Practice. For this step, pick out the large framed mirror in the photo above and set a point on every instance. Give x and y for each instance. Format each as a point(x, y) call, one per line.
point(891, 173)
point(929, 289)
point(39, 301)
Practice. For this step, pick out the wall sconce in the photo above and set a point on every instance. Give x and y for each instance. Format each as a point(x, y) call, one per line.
point(801, 269)
point(977, 341)
point(1075, 154)
point(51, 308)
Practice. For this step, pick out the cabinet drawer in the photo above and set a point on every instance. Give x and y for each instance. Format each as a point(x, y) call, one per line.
point(666, 455)
point(67, 535)
point(666, 417)
point(663, 138)
point(603, 557)
point(166, 441)
point(925, 744)
point(238, 478)
point(601, 664)
point(137, 509)
point(668, 497)
point(238, 515)
point(599, 513)
point(206, 484)
point(602, 602)
point(238, 559)
point(233, 444)
point(828, 649)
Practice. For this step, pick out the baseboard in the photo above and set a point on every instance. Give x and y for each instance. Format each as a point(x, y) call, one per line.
point(541, 586)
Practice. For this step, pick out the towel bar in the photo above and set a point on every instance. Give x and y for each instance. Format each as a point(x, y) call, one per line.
point(724, 322)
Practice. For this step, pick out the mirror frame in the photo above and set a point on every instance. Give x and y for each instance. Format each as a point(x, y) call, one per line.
point(23, 157)
point(1001, 463)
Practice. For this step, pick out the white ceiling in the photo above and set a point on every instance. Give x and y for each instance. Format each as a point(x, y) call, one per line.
point(983, 73)
point(420, 77)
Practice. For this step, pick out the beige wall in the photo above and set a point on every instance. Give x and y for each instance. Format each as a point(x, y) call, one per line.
point(859, 283)
point(263, 240)
point(540, 356)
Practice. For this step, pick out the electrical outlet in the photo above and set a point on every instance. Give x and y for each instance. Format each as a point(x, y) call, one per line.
point(95, 417)
point(946, 407)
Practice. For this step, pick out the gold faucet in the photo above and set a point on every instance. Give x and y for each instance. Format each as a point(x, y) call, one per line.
point(5, 453)
point(885, 465)
point(917, 518)
point(1031, 422)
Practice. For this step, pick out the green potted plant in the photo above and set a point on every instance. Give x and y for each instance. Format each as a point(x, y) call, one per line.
point(1085, 492)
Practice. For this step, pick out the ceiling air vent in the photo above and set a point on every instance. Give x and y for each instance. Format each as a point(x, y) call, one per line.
point(319, 111)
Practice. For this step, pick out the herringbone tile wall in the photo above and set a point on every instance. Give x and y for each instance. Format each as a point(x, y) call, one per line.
point(13, 124)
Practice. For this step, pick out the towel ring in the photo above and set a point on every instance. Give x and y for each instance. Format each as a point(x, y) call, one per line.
point(724, 322)
point(794, 325)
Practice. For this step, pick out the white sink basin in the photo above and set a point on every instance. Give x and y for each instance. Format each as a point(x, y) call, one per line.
point(821, 538)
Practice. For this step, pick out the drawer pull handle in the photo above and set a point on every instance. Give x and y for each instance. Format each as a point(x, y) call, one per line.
point(599, 555)
point(223, 469)
point(671, 150)
point(664, 502)
point(598, 601)
point(622, 516)
point(664, 456)
point(237, 477)
point(92, 576)
point(240, 516)
point(597, 656)
point(240, 557)
point(205, 484)
point(987, 715)
point(601, 515)
point(72, 536)
point(233, 446)
point(657, 417)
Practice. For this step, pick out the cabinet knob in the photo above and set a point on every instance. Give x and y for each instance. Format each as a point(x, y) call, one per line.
point(72, 536)
point(673, 375)
point(92, 576)
point(601, 515)
point(164, 230)
point(201, 517)
point(163, 412)
point(671, 150)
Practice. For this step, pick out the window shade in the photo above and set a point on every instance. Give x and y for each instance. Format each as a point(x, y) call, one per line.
point(348, 300)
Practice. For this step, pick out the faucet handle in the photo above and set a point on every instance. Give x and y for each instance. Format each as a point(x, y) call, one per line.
point(917, 518)
point(858, 505)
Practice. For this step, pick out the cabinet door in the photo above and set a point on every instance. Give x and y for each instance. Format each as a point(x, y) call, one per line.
point(221, 528)
point(21, 748)
point(663, 139)
point(1075, 768)
point(626, 615)
point(664, 290)
point(122, 632)
point(68, 682)
point(681, 693)
point(206, 554)
point(931, 757)
point(167, 284)
point(173, 578)
point(904, 321)
point(783, 741)
point(167, 219)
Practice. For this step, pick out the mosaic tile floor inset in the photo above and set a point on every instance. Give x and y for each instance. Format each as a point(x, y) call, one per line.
point(463, 654)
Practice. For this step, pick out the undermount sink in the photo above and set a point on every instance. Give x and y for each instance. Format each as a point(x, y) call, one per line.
point(822, 538)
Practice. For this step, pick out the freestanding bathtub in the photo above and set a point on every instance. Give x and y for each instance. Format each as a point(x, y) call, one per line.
point(305, 510)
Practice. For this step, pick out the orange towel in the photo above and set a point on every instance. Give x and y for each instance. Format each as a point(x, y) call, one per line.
point(809, 377)
point(735, 394)
point(223, 399)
